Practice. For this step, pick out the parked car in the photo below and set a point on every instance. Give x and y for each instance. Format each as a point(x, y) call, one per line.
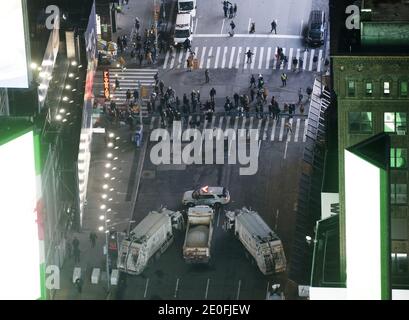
point(316, 28)
point(210, 196)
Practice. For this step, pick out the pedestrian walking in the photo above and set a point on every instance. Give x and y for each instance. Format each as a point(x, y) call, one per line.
point(135, 95)
point(128, 95)
point(207, 75)
point(75, 243)
point(300, 64)
point(309, 92)
point(249, 54)
point(300, 96)
point(265, 94)
point(93, 238)
point(273, 27)
point(288, 127)
point(149, 57)
point(137, 24)
point(78, 284)
point(252, 27)
point(117, 84)
point(231, 12)
point(77, 254)
point(189, 64)
point(212, 94)
point(284, 79)
point(232, 26)
point(236, 98)
point(68, 249)
point(252, 81)
point(295, 62)
point(161, 86)
point(156, 77)
point(252, 94)
point(234, 9)
point(225, 9)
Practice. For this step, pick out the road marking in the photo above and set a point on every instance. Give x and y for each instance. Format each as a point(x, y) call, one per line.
point(177, 287)
point(238, 58)
point(245, 58)
point(219, 132)
point(268, 57)
point(185, 58)
point(304, 139)
point(254, 57)
point(281, 130)
point(276, 222)
point(221, 31)
point(260, 61)
point(236, 123)
point(188, 121)
point(146, 287)
point(202, 57)
point(218, 216)
point(290, 132)
point(233, 50)
point(275, 58)
point(297, 130)
point(266, 128)
point(298, 57)
point(319, 61)
point(213, 121)
point(180, 59)
point(238, 290)
point(290, 59)
point(196, 51)
point(248, 28)
point(209, 58)
point(224, 57)
point(165, 63)
point(247, 35)
point(207, 288)
point(285, 150)
point(251, 123)
point(311, 59)
point(282, 62)
point(216, 61)
point(302, 23)
point(197, 19)
point(172, 61)
point(228, 122)
point(152, 123)
point(273, 129)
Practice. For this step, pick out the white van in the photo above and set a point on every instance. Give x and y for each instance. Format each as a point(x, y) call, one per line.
point(183, 28)
point(187, 6)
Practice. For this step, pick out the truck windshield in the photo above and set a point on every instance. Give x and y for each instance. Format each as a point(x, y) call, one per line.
point(182, 33)
point(186, 6)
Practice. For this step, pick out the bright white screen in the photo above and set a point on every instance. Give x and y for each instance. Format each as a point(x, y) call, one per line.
point(362, 217)
point(13, 59)
point(19, 244)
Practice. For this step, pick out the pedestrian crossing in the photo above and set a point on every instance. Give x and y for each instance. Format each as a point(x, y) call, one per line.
point(128, 79)
point(278, 130)
point(234, 57)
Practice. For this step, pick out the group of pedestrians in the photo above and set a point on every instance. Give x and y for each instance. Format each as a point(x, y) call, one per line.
point(229, 9)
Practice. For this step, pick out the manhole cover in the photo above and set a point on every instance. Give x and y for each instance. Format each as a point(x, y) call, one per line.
point(148, 174)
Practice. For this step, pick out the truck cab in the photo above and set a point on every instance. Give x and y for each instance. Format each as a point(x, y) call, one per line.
point(187, 6)
point(183, 28)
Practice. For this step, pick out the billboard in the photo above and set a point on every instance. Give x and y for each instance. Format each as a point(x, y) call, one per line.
point(13, 60)
point(20, 269)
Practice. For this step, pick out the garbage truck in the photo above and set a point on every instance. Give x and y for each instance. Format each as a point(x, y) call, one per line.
point(152, 236)
point(199, 231)
point(187, 6)
point(258, 239)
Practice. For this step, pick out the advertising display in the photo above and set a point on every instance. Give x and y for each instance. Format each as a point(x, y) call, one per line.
point(21, 267)
point(107, 93)
point(13, 60)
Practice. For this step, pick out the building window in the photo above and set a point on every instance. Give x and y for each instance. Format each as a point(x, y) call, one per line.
point(360, 122)
point(351, 88)
point(404, 89)
point(386, 88)
point(399, 193)
point(368, 88)
point(398, 158)
point(395, 122)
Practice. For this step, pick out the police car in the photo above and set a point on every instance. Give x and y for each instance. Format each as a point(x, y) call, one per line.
point(211, 196)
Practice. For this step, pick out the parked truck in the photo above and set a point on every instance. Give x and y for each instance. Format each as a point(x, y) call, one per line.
point(152, 236)
point(187, 6)
point(258, 239)
point(199, 231)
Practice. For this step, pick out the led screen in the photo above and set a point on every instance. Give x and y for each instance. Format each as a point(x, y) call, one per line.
point(363, 228)
point(20, 255)
point(13, 59)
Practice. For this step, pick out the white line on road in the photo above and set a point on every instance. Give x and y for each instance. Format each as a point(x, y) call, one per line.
point(221, 30)
point(207, 288)
point(209, 58)
point(146, 287)
point(245, 58)
point(302, 23)
point(290, 59)
point(266, 128)
point(297, 130)
point(165, 63)
point(275, 58)
point(277, 213)
point(213, 121)
point(180, 59)
point(177, 287)
point(273, 129)
point(281, 130)
point(216, 61)
point(238, 58)
point(304, 139)
point(254, 57)
point(248, 27)
point(311, 59)
point(319, 61)
point(238, 290)
point(285, 150)
point(282, 63)
point(290, 130)
point(247, 35)
point(224, 57)
point(202, 57)
point(233, 50)
point(260, 60)
point(305, 60)
point(172, 61)
point(197, 19)
point(268, 57)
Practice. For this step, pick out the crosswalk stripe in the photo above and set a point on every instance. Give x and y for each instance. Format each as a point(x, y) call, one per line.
point(165, 63)
point(297, 130)
point(304, 139)
point(275, 58)
point(298, 57)
point(216, 61)
point(281, 129)
point(254, 57)
point(233, 50)
point(236, 123)
point(251, 122)
point(260, 121)
point(238, 58)
point(209, 58)
point(311, 59)
point(172, 61)
point(305, 60)
point(220, 127)
point(289, 132)
point(266, 129)
point(282, 64)
point(152, 123)
point(268, 57)
point(202, 57)
point(243, 126)
point(179, 65)
point(213, 121)
point(224, 57)
point(290, 59)
point(260, 60)
point(188, 122)
point(245, 58)
point(319, 61)
point(273, 129)
point(228, 123)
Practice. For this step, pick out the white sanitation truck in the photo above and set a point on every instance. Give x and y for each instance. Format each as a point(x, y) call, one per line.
point(187, 6)
point(199, 231)
point(152, 236)
point(259, 240)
